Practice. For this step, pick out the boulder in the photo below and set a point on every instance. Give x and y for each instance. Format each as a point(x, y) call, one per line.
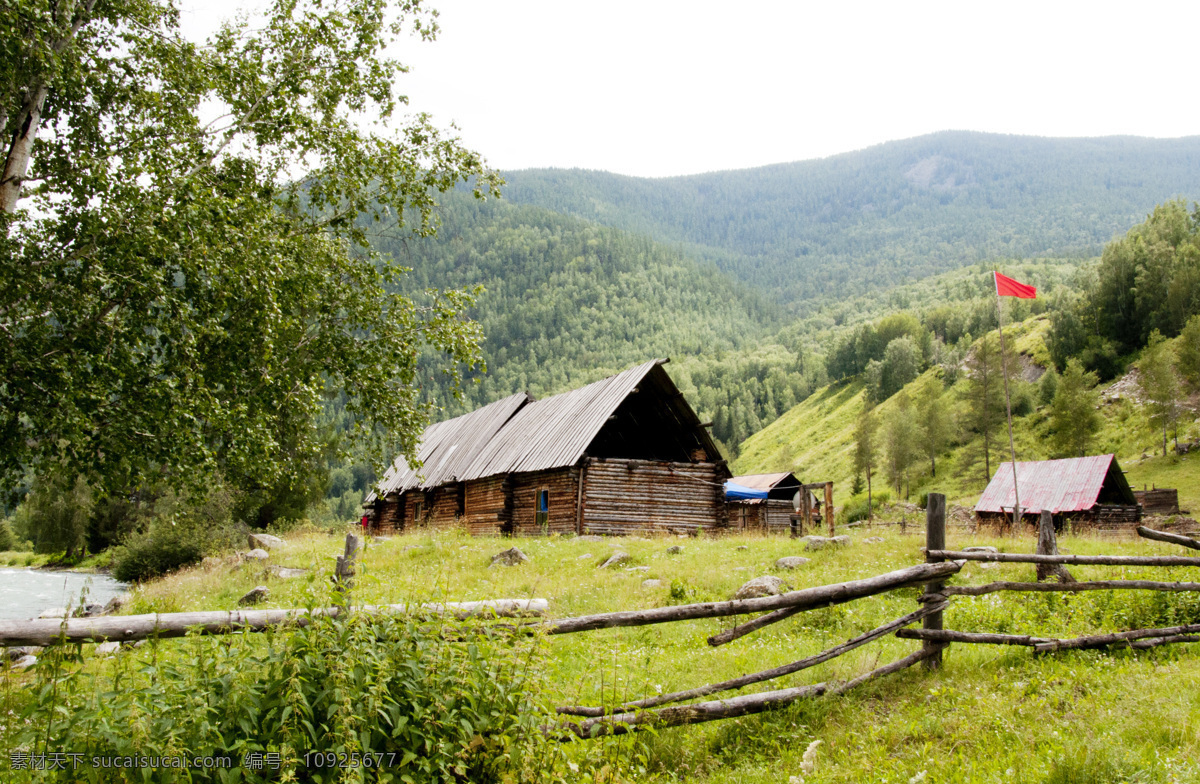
point(814, 542)
point(24, 662)
point(116, 603)
point(510, 557)
point(21, 651)
point(265, 542)
point(53, 612)
point(285, 572)
point(256, 594)
point(257, 554)
point(107, 649)
point(767, 585)
point(841, 540)
point(790, 562)
point(873, 540)
point(651, 583)
point(208, 563)
point(675, 549)
point(980, 549)
point(616, 559)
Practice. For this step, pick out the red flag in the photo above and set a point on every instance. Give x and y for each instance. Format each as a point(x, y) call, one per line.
point(1007, 287)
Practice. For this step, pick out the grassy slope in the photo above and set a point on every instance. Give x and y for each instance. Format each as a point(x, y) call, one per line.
point(815, 439)
point(989, 715)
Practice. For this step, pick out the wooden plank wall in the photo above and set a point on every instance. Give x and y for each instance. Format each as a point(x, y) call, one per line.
point(745, 517)
point(563, 484)
point(779, 516)
point(388, 517)
point(488, 506)
point(1158, 502)
point(644, 497)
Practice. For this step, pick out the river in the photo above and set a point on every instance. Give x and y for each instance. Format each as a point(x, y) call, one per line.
point(25, 593)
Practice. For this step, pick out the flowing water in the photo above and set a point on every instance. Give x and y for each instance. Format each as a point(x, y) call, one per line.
point(25, 593)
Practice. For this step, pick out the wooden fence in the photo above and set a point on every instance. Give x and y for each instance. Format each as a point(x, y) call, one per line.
point(663, 710)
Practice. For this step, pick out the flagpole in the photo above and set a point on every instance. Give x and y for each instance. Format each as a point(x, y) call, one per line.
point(1008, 405)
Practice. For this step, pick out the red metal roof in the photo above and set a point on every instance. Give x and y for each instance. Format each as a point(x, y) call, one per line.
point(1069, 485)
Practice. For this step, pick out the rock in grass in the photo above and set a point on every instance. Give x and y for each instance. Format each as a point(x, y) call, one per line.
point(873, 540)
point(510, 557)
point(257, 554)
point(980, 549)
point(107, 648)
point(841, 540)
point(616, 559)
point(814, 542)
point(790, 562)
point(285, 572)
point(767, 585)
point(265, 542)
point(651, 583)
point(24, 662)
point(255, 595)
point(675, 549)
point(21, 651)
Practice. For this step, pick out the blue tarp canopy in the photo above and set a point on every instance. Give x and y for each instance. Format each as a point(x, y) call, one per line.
point(736, 492)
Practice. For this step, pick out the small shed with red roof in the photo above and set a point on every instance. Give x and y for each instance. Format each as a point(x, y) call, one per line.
point(1088, 492)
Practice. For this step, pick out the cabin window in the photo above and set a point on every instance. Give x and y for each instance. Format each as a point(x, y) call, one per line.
point(418, 508)
point(541, 515)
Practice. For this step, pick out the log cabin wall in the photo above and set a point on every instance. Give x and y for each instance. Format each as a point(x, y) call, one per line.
point(562, 484)
point(1158, 502)
point(779, 515)
point(388, 518)
point(744, 516)
point(444, 506)
point(488, 506)
point(623, 497)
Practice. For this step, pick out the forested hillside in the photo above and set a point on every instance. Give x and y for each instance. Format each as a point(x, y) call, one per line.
point(900, 211)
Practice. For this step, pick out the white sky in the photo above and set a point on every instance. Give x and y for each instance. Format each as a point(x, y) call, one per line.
point(664, 87)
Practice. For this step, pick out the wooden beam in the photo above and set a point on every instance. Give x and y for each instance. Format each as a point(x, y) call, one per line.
point(1109, 560)
point(1163, 536)
point(1090, 585)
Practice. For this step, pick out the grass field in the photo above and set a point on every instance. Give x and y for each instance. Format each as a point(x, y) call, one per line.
point(989, 715)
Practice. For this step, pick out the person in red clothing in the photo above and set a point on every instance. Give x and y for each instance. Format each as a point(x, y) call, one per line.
point(366, 524)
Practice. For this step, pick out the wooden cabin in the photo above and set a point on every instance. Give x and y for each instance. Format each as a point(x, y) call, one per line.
point(1084, 493)
point(772, 512)
point(1158, 500)
point(625, 455)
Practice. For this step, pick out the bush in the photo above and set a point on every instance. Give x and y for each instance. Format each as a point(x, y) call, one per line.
point(434, 709)
point(8, 539)
point(155, 553)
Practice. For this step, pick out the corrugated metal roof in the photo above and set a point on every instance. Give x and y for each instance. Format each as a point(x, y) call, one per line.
point(555, 432)
point(1069, 485)
point(766, 481)
point(448, 448)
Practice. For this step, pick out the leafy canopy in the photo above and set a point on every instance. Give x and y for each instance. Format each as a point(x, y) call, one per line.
point(184, 261)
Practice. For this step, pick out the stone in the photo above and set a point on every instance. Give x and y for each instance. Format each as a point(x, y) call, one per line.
point(841, 540)
point(255, 595)
point(790, 562)
point(286, 572)
point(814, 542)
point(651, 583)
point(873, 540)
point(208, 563)
point(616, 559)
point(510, 557)
point(265, 542)
point(257, 554)
point(637, 568)
point(589, 538)
point(742, 547)
point(585, 557)
point(980, 549)
point(21, 651)
point(24, 662)
point(53, 612)
point(767, 585)
point(116, 603)
point(675, 549)
point(89, 611)
point(107, 649)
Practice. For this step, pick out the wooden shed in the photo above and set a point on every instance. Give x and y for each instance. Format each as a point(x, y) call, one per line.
point(1083, 492)
point(623, 455)
point(772, 513)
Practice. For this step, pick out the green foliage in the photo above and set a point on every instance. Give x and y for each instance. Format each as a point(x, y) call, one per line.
point(436, 710)
point(900, 434)
point(1158, 384)
point(984, 396)
point(55, 515)
point(1187, 349)
point(934, 420)
point(189, 292)
point(180, 532)
point(8, 539)
point(1047, 386)
point(154, 553)
point(1073, 415)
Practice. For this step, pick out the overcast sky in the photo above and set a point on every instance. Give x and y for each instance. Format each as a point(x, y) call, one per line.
point(657, 87)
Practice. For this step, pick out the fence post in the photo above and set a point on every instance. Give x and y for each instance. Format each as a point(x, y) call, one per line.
point(343, 575)
point(1048, 545)
point(829, 506)
point(935, 539)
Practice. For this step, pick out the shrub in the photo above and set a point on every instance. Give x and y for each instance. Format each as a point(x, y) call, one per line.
point(8, 539)
point(434, 709)
point(155, 553)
